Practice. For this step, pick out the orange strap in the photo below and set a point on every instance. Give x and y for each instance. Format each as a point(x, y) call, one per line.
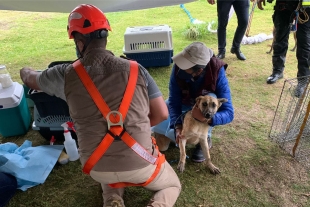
point(161, 160)
point(104, 108)
point(96, 96)
point(100, 150)
point(117, 127)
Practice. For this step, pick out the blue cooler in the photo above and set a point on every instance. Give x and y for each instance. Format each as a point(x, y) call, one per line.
point(15, 116)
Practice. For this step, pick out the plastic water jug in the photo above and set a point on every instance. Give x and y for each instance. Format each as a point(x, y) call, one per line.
point(5, 78)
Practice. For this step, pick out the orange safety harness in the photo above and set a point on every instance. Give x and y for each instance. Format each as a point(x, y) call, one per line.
point(115, 121)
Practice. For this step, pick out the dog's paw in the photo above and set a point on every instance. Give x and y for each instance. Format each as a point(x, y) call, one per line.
point(214, 170)
point(181, 166)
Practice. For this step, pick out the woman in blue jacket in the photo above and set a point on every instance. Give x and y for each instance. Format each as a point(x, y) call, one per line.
point(196, 72)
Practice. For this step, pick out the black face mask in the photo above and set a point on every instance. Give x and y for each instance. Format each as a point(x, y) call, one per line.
point(78, 54)
point(185, 76)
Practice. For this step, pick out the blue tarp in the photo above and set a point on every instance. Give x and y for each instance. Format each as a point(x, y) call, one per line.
point(30, 165)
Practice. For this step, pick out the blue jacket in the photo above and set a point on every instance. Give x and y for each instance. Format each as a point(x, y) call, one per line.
point(224, 115)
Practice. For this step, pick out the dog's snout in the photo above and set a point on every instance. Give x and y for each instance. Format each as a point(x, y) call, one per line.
point(208, 115)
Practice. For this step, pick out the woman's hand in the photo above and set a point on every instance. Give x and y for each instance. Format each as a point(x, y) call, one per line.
point(178, 134)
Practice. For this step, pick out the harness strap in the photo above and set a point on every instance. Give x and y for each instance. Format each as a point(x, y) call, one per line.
point(117, 129)
point(105, 110)
point(161, 160)
point(97, 154)
point(96, 96)
point(137, 148)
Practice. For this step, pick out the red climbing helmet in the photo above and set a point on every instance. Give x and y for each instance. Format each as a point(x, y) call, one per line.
point(86, 19)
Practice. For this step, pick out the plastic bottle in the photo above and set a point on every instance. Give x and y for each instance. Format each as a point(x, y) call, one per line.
point(5, 78)
point(70, 144)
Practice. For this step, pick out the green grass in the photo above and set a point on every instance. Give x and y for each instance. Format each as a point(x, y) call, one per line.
point(255, 171)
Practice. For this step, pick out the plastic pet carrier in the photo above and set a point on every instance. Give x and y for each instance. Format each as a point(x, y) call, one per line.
point(151, 46)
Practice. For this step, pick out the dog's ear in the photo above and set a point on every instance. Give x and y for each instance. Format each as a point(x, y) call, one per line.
point(198, 99)
point(221, 101)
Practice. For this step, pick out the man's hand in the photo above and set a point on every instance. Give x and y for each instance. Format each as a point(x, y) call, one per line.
point(259, 4)
point(211, 2)
point(28, 76)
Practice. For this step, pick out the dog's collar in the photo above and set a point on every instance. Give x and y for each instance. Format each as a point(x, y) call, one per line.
point(197, 115)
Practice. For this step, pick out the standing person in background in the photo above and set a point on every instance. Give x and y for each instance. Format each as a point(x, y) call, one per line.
point(282, 18)
point(116, 151)
point(303, 40)
point(241, 8)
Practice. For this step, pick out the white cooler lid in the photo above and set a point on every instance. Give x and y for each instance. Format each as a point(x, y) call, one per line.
point(11, 96)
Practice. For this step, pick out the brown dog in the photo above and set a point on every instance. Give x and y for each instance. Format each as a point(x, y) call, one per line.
point(195, 128)
point(274, 34)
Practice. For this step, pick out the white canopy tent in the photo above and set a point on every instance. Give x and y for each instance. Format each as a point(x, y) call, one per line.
point(67, 5)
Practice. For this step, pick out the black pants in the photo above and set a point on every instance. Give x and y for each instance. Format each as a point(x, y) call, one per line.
point(303, 46)
point(8, 185)
point(241, 8)
point(282, 20)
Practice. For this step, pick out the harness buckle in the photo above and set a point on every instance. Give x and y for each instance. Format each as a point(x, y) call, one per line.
point(110, 123)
